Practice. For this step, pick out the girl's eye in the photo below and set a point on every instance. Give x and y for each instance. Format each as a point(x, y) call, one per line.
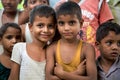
point(71, 23)
point(44, 2)
point(32, 1)
point(9, 37)
point(60, 23)
point(18, 37)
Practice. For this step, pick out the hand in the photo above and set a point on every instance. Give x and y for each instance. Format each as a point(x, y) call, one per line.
point(58, 70)
point(81, 68)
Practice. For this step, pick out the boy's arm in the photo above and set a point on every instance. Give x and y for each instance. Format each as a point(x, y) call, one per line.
point(91, 70)
point(14, 74)
point(50, 63)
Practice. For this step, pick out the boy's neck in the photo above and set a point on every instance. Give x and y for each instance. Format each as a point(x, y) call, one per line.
point(10, 13)
point(106, 64)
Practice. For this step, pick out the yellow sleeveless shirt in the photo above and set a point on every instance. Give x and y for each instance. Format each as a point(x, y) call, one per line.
point(72, 66)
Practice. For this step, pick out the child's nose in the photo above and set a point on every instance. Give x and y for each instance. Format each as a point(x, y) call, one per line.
point(114, 46)
point(67, 27)
point(45, 29)
point(14, 40)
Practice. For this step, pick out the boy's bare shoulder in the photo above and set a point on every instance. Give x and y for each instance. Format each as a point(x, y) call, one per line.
point(52, 46)
point(87, 46)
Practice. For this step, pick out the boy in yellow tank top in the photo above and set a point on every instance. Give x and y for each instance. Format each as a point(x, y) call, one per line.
point(70, 58)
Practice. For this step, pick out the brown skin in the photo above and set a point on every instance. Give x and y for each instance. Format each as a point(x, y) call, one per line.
point(109, 49)
point(69, 26)
point(41, 36)
point(11, 37)
point(24, 16)
point(90, 65)
point(10, 10)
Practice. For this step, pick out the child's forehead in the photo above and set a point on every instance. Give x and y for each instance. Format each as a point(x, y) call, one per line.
point(39, 0)
point(67, 16)
point(112, 35)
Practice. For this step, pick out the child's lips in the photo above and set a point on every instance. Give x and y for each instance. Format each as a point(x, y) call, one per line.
point(114, 54)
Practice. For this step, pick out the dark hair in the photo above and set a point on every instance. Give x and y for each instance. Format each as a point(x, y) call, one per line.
point(69, 8)
point(104, 29)
point(42, 11)
point(26, 1)
point(5, 26)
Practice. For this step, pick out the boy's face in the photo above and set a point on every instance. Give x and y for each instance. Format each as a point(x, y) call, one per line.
point(10, 37)
point(110, 46)
point(43, 28)
point(33, 3)
point(68, 26)
point(10, 5)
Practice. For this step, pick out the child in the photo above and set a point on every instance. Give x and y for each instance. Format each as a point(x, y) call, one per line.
point(108, 43)
point(29, 58)
point(10, 12)
point(29, 5)
point(10, 34)
point(69, 52)
point(94, 12)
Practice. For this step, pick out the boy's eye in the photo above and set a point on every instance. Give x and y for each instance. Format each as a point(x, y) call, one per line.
point(61, 23)
point(40, 25)
point(51, 26)
point(109, 43)
point(71, 23)
point(118, 43)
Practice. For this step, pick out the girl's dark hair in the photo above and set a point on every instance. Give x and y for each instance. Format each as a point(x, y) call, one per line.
point(26, 1)
point(69, 8)
point(104, 29)
point(5, 26)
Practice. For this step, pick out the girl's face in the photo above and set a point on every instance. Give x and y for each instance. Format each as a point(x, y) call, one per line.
point(10, 5)
point(43, 28)
point(10, 37)
point(32, 3)
point(68, 26)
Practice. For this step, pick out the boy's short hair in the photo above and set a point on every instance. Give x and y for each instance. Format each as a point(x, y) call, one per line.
point(69, 8)
point(104, 29)
point(5, 26)
point(42, 11)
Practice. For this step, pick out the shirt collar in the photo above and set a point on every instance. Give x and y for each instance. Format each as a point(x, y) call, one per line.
point(116, 64)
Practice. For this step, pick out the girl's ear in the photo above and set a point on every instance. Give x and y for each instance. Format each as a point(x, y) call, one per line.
point(97, 44)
